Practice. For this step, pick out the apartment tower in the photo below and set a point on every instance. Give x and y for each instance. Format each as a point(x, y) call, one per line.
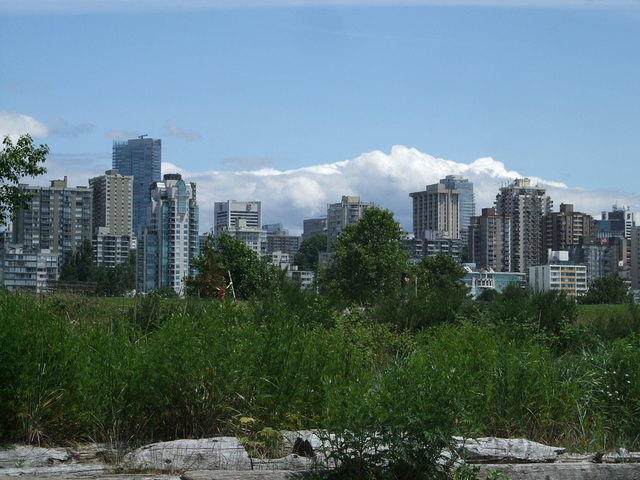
point(436, 209)
point(526, 205)
point(169, 243)
point(490, 241)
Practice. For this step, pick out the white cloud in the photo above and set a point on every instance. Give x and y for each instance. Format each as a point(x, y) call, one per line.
point(146, 5)
point(289, 196)
point(16, 124)
point(176, 131)
point(387, 179)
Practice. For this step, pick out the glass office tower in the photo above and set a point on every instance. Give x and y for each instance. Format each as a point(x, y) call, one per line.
point(140, 157)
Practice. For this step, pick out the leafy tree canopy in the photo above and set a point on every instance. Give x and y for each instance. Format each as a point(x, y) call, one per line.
point(607, 290)
point(368, 259)
point(307, 256)
point(79, 266)
point(22, 159)
point(225, 259)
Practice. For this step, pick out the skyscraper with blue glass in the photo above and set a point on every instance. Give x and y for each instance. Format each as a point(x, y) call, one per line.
point(140, 157)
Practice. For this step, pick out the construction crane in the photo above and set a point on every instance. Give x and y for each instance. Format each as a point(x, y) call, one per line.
point(143, 135)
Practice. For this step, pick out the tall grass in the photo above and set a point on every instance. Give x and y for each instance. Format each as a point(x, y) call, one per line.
point(78, 369)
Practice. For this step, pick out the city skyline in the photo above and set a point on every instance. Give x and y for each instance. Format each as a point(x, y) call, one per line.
point(386, 179)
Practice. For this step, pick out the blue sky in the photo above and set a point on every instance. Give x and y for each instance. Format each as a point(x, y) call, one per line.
point(551, 92)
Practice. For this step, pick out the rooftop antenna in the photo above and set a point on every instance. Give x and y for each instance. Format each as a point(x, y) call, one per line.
point(143, 135)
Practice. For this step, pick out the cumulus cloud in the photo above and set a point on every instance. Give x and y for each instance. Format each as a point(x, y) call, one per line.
point(386, 179)
point(60, 126)
point(176, 131)
point(16, 124)
point(289, 196)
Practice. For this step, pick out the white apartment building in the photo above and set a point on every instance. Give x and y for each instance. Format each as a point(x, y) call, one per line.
point(169, 243)
point(28, 269)
point(559, 274)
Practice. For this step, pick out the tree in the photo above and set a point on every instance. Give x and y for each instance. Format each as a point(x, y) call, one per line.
point(79, 266)
point(368, 259)
point(211, 280)
point(231, 259)
point(307, 256)
point(607, 290)
point(18, 160)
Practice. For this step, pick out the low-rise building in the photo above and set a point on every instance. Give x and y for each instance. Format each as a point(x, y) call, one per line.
point(479, 280)
point(559, 274)
point(306, 278)
point(280, 259)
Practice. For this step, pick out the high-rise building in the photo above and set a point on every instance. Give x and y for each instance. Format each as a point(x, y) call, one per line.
point(634, 254)
point(57, 218)
point(526, 205)
point(280, 241)
point(602, 256)
point(566, 228)
point(466, 200)
point(112, 202)
point(490, 241)
point(112, 217)
point(235, 214)
point(141, 158)
point(436, 209)
point(243, 221)
point(616, 223)
point(170, 242)
point(339, 215)
point(110, 250)
point(313, 226)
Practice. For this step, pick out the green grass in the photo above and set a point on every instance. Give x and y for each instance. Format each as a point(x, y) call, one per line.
point(589, 313)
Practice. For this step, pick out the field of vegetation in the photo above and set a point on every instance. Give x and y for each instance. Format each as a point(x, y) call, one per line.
point(130, 370)
point(411, 358)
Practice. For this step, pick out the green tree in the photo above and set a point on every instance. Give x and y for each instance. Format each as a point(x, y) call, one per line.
point(368, 259)
point(78, 265)
point(22, 159)
point(432, 293)
point(607, 290)
point(211, 280)
point(307, 256)
point(231, 259)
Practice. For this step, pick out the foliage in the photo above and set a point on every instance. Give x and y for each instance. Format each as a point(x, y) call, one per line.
point(153, 368)
point(607, 290)
point(307, 256)
point(432, 293)
point(22, 159)
point(247, 274)
point(545, 312)
point(79, 266)
point(368, 259)
point(211, 280)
